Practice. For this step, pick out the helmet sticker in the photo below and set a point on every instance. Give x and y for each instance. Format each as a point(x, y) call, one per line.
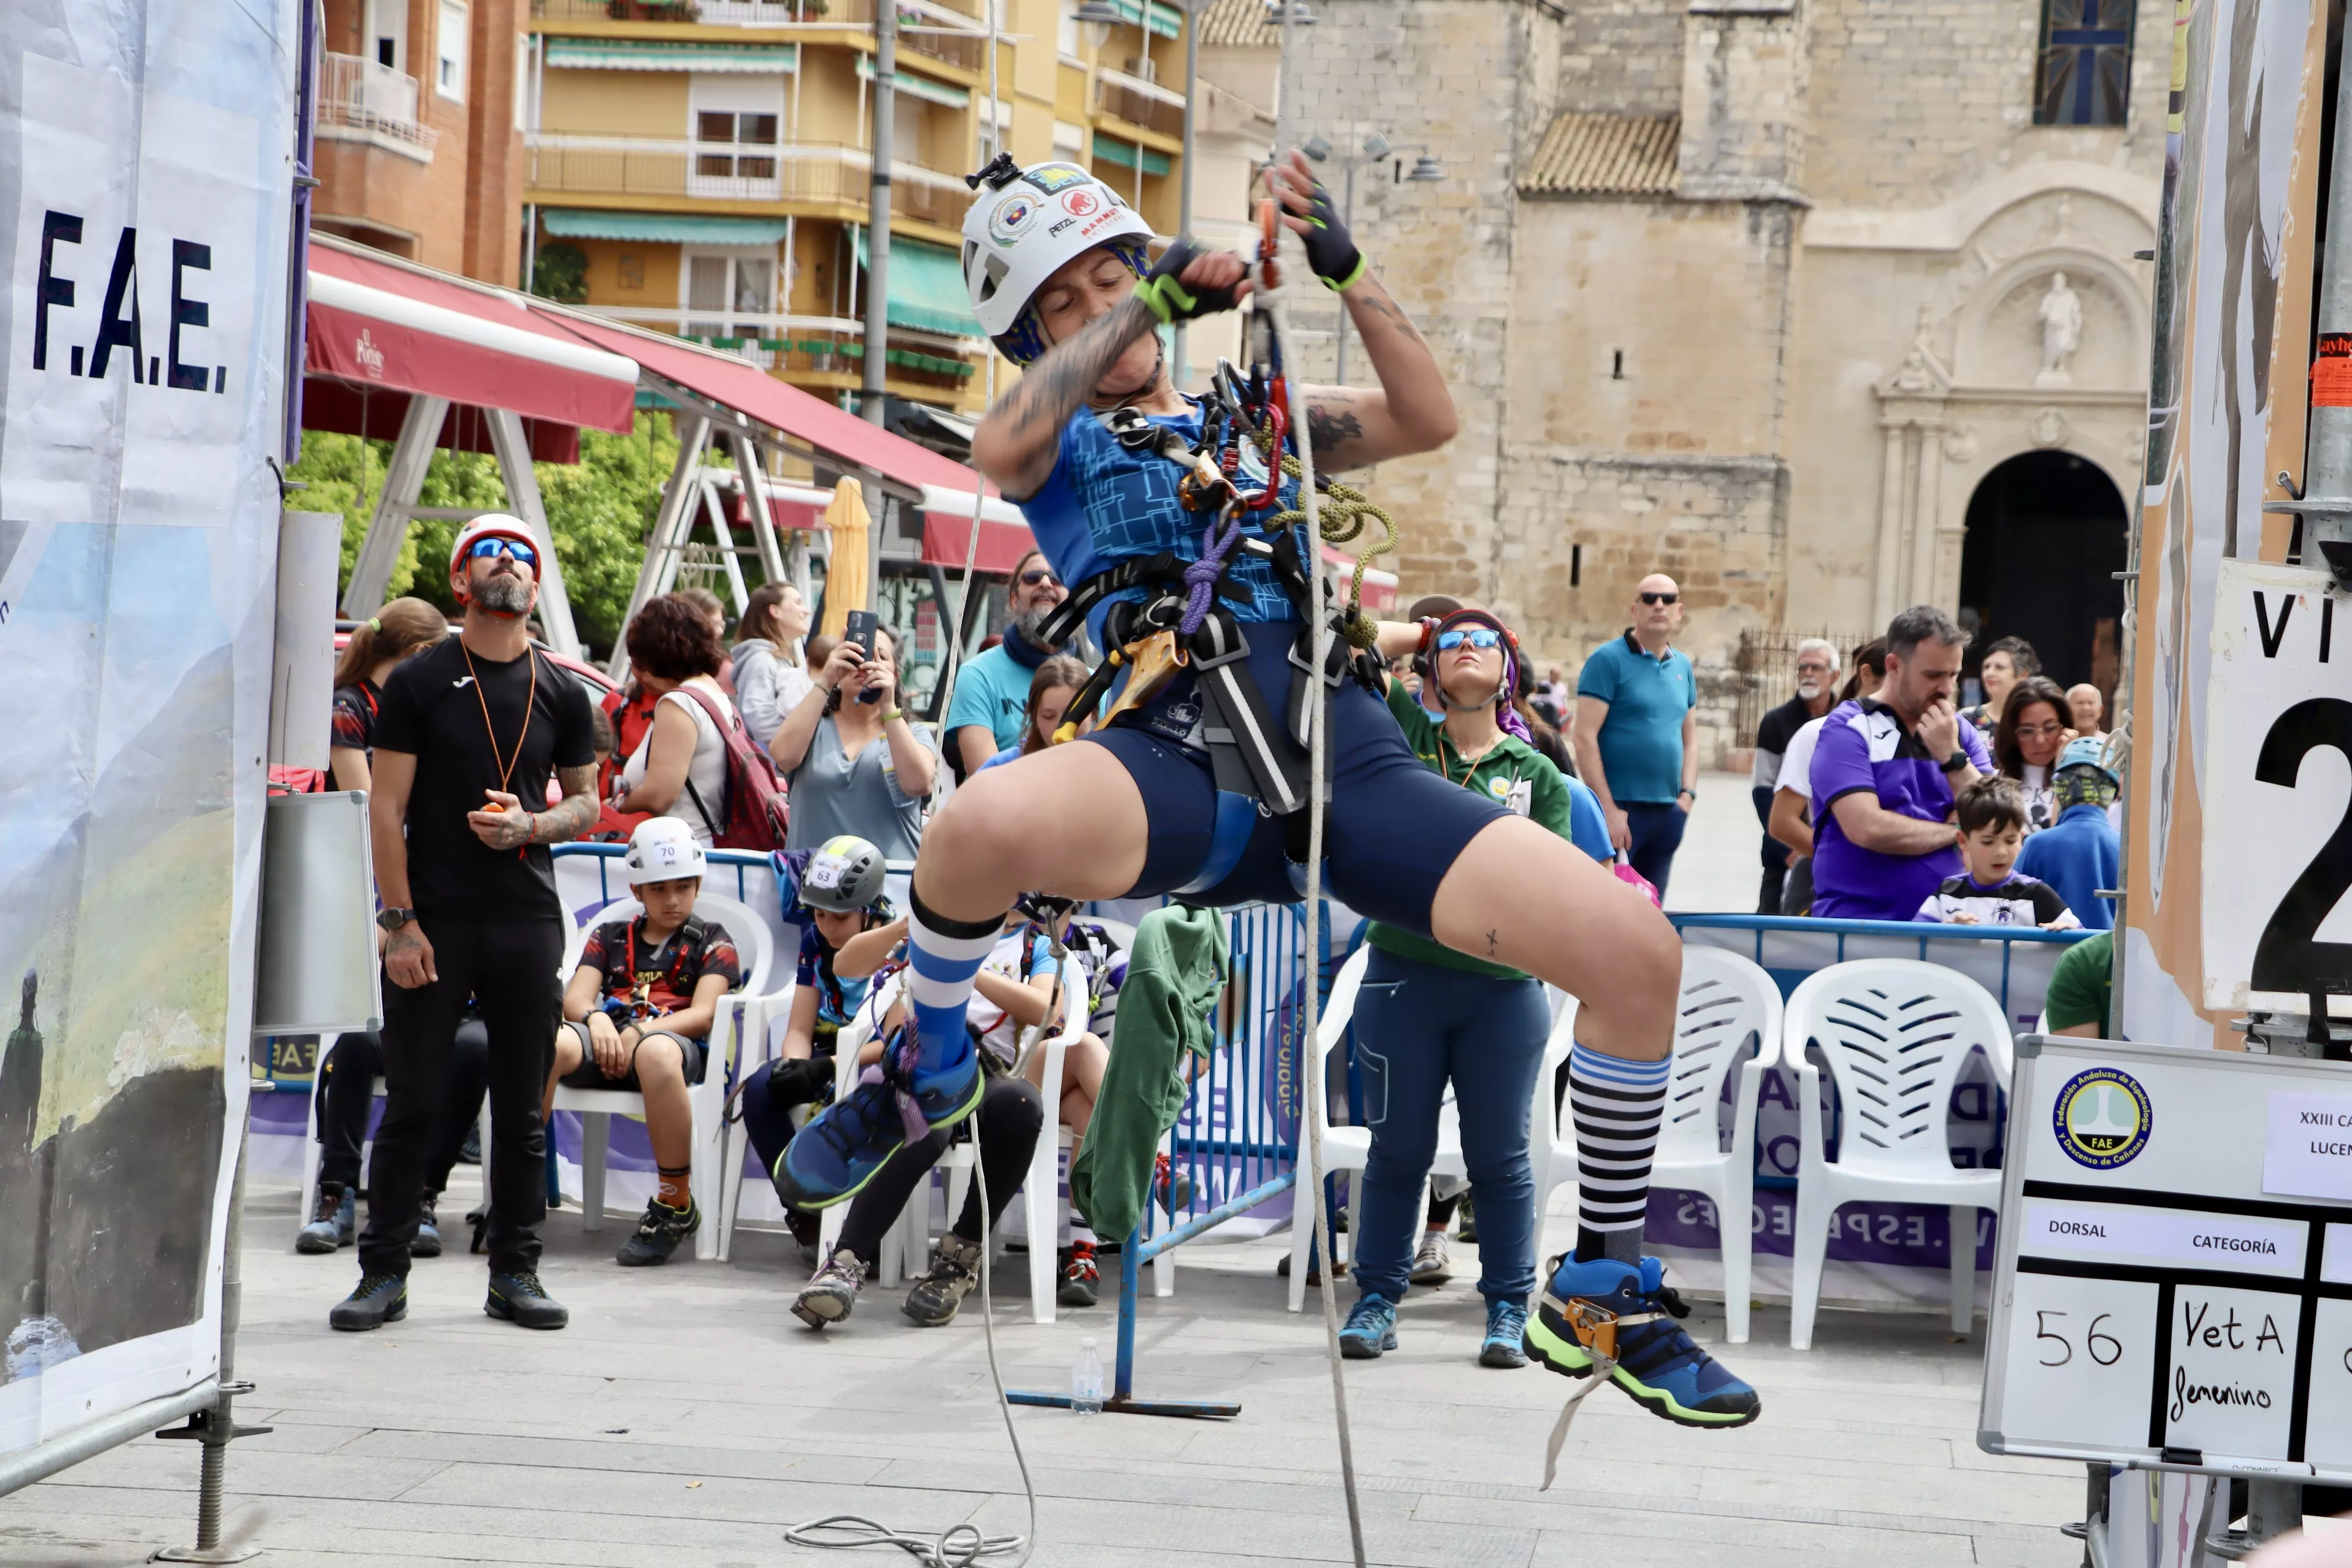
point(1012, 217)
point(1080, 203)
point(1052, 177)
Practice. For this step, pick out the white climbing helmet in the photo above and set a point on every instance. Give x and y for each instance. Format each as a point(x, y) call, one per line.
point(1024, 227)
point(663, 850)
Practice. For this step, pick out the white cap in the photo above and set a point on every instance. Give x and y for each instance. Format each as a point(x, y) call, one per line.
point(663, 850)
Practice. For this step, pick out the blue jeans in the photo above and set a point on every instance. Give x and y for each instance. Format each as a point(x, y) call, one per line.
point(1417, 1026)
point(1657, 834)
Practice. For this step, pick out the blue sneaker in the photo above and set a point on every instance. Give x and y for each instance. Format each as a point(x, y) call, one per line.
point(1658, 1363)
point(847, 1142)
point(1369, 1330)
point(1507, 1322)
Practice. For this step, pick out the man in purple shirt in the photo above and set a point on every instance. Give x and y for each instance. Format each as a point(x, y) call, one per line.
point(1885, 773)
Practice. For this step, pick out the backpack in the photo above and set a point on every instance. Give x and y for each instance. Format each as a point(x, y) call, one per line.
point(755, 814)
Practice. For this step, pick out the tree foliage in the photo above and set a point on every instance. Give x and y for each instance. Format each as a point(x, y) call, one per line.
point(599, 510)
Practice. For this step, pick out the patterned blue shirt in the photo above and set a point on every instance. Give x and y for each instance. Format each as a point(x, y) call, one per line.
point(1104, 504)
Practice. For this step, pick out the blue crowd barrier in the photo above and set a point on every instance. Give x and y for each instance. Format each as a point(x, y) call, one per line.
point(2013, 962)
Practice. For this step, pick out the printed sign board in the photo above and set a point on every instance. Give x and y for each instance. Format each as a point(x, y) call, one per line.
point(2175, 1274)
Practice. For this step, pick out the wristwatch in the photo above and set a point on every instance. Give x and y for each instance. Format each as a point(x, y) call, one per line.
point(1956, 761)
point(393, 920)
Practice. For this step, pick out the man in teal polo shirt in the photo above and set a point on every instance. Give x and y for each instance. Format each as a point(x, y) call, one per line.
point(1636, 725)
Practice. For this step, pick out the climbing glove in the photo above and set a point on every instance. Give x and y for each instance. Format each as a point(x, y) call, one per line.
point(1172, 299)
point(1330, 251)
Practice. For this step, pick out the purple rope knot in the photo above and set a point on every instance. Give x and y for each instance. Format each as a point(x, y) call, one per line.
point(1201, 576)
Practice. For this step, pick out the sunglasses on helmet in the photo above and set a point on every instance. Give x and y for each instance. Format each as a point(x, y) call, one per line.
point(499, 544)
point(1476, 636)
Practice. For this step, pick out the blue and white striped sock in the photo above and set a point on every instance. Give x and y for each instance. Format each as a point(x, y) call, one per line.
point(1617, 1107)
point(944, 957)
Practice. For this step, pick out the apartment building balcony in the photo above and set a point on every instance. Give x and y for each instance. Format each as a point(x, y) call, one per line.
point(360, 101)
point(805, 175)
point(821, 352)
point(938, 29)
point(1138, 102)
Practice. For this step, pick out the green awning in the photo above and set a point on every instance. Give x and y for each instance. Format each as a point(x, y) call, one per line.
point(926, 292)
point(920, 87)
point(675, 228)
point(1122, 155)
point(1165, 20)
point(633, 54)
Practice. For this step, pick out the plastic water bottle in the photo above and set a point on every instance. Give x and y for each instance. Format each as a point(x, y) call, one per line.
point(1087, 1381)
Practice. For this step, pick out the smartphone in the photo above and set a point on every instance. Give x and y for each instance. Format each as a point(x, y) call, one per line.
point(860, 630)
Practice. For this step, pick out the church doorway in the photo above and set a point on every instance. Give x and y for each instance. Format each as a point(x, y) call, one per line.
point(2046, 534)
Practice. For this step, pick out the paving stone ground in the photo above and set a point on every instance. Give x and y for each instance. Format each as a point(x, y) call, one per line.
point(684, 1420)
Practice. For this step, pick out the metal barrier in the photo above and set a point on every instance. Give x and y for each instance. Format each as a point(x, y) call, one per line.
point(1236, 1136)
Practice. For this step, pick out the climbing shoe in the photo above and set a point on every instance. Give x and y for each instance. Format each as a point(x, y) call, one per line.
point(658, 1234)
point(1172, 1187)
point(1370, 1329)
point(832, 1291)
point(1434, 1264)
point(1658, 1363)
point(428, 1241)
point(1081, 1276)
point(375, 1301)
point(843, 1145)
point(1507, 1323)
point(333, 1222)
point(522, 1300)
point(954, 1274)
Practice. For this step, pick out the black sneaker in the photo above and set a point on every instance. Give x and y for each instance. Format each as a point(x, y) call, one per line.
point(521, 1299)
point(375, 1301)
point(427, 1243)
point(658, 1234)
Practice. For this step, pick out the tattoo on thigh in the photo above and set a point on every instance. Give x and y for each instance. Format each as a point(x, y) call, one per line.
point(1493, 938)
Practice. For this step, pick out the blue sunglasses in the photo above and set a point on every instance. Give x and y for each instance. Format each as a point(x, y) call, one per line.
point(1476, 636)
point(497, 544)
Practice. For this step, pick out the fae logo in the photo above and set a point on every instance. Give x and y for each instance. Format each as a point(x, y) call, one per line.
point(1081, 204)
point(1012, 218)
point(2102, 1118)
point(371, 357)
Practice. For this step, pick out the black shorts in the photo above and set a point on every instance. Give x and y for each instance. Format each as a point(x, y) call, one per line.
point(588, 1075)
point(1392, 830)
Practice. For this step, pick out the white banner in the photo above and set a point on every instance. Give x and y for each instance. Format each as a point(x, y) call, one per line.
point(145, 183)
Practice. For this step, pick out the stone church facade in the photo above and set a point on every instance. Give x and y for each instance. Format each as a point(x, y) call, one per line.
point(1775, 296)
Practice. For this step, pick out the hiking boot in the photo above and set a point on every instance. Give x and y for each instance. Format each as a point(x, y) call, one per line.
point(955, 1271)
point(1658, 1363)
point(1434, 1264)
point(1172, 1187)
point(375, 1301)
point(1468, 1228)
point(845, 1145)
point(522, 1300)
point(1369, 1330)
point(658, 1234)
point(427, 1243)
point(1507, 1323)
point(1081, 1276)
point(332, 1223)
point(832, 1291)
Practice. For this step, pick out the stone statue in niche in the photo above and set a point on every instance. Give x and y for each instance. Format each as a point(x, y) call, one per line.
point(2060, 315)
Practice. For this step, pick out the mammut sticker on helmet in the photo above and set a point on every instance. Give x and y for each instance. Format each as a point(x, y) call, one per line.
point(1080, 203)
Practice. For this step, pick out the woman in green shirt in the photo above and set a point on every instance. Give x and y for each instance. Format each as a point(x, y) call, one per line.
point(1426, 1015)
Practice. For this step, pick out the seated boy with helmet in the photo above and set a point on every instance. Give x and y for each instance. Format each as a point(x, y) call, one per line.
point(1176, 521)
point(638, 1014)
point(848, 933)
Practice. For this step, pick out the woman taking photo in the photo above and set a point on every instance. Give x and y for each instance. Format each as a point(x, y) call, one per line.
point(769, 679)
point(679, 769)
point(1050, 690)
point(1427, 1014)
point(2033, 731)
point(854, 764)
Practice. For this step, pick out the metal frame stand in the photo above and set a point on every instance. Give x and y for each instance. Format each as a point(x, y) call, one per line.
point(217, 1428)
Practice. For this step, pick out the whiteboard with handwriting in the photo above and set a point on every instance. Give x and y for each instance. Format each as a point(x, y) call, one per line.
point(2175, 1282)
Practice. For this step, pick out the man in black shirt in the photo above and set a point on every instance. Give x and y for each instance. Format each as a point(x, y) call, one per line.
point(1817, 670)
point(467, 733)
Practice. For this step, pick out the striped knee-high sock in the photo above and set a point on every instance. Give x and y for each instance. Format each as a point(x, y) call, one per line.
point(1617, 1106)
point(943, 958)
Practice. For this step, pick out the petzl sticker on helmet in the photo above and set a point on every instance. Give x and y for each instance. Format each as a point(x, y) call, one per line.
point(2102, 1118)
point(1012, 217)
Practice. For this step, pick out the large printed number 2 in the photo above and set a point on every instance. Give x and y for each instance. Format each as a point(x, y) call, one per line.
point(2287, 959)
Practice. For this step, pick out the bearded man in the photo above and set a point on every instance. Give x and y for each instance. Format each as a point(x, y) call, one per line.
point(992, 692)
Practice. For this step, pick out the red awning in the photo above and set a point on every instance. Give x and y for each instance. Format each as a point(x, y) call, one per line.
point(1005, 536)
point(378, 323)
point(839, 436)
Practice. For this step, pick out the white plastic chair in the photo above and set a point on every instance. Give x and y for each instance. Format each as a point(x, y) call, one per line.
point(1727, 1003)
point(740, 1013)
point(1896, 1033)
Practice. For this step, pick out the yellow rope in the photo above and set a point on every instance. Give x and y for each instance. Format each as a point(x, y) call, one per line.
point(1343, 514)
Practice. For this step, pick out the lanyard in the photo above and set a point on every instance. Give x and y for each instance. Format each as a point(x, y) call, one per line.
point(530, 703)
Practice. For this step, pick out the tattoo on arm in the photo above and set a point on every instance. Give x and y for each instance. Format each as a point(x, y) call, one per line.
point(576, 814)
point(1377, 301)
point(1060, 384)
point(1330, 425)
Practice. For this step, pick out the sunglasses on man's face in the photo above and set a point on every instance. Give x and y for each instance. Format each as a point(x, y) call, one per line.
point(1476, 636)
point(1659, 598)
point(1031, 578)
point(514, 548)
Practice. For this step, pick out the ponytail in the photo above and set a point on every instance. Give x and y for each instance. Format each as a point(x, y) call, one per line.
point(394, 632)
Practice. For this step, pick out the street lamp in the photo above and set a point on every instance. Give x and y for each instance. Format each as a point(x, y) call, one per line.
point(1375, 148)
point(1098, 18)
point(1290, 12)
